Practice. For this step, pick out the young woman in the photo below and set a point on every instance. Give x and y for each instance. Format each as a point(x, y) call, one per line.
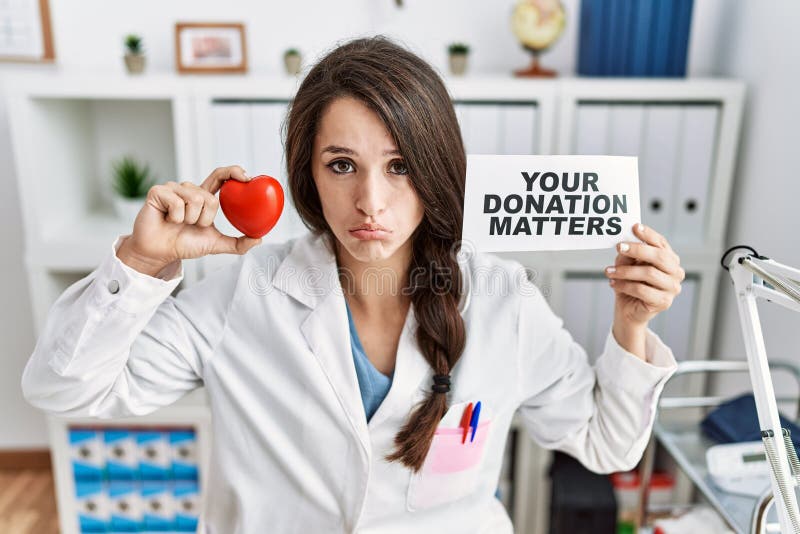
point(339, 365)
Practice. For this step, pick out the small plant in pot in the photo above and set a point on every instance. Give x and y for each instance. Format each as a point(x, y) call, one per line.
point(131, 182)
point(292, 61)
point(134, 54)
point(459, 52)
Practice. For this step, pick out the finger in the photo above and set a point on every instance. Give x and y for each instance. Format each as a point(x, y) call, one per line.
point(192, 198)
point(664, 259)
point(165, 200)
point(210, 209)
point(653, 298)
point(226, 244)
point(220, 174)
point(650, 236)
point(645, 273)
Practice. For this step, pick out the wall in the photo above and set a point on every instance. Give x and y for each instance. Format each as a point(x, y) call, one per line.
point(88, 36)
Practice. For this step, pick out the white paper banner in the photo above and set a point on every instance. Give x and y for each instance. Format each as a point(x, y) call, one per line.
point(528, 203)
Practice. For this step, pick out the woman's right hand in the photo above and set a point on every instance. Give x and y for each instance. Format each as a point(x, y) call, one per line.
point(177, 222)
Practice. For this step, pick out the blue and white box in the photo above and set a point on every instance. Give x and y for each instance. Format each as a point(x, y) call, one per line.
point(91, 503)
point(183, 447)
point(126, 506)
point(158, 508)
point(86, 454)
point(121, 454)
point(186, 497)
point(155, 460)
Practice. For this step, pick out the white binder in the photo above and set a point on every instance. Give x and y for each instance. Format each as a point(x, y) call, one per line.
point(697, 153)
point(232, 137)
point(483, 129)
point(269, 158)
point(659, 165)
point(625, 130)
point(578, 310)
point(591, 129)
point(518, 128)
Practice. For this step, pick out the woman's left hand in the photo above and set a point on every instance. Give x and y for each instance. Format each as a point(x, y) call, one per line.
point(646, 277)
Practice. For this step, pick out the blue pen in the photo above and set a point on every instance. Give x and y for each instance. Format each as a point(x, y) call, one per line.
point(474, 422)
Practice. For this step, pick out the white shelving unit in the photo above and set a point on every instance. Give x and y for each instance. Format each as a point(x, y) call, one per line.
point(66, 130)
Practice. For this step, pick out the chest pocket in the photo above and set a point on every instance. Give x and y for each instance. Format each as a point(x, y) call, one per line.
point(451, 469)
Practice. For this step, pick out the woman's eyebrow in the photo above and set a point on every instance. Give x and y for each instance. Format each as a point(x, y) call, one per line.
point(334, 149)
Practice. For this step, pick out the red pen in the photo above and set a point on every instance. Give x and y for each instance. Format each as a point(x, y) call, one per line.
point(465, 420)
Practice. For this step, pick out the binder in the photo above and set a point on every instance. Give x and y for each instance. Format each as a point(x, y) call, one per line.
point(591, 133)
point(518, 129)
point(577, 316)
point(483, 129)
point(269, 158)
point(463, 119)
point(659, 165)
point(677, 322)
point(698, 142)
point(626, 129)
point(603, 313)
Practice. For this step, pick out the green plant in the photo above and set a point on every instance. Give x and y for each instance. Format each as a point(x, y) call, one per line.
point(131, 179)
point(458, 48)
point(291, 51)
point(133, 43)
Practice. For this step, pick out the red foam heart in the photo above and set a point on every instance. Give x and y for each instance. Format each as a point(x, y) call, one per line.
point(252, 207)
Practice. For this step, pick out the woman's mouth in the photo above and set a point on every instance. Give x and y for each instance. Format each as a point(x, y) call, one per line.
point(369, 231)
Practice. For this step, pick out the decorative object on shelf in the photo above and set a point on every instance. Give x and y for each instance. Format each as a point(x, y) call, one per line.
point(213, 48)
point(26, 35)
point(292, 61)
point(134, 54)
point(537, 24)
point(252, 207)
point(131, 182)
point(627, 38)
point(458, 54)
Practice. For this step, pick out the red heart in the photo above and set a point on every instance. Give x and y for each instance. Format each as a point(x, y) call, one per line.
point(252, 207)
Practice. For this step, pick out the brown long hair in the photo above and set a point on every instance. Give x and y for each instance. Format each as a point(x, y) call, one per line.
point(414, 104)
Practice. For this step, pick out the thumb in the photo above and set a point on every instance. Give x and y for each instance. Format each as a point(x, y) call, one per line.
point(234, 245)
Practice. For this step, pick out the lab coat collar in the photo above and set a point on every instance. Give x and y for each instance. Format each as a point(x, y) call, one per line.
point(309, 274)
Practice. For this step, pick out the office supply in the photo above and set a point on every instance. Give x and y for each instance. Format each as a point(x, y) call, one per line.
point(466, 421)
point(739, 467)
point(474, 422)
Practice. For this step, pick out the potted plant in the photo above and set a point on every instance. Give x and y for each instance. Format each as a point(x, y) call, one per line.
point(292, 61)
point(458, 58)
point(131, 181)
point(134, 54)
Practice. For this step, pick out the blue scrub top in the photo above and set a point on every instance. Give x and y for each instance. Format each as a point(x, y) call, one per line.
point(374, 385)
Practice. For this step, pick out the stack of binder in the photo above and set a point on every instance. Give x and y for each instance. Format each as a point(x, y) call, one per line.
point(634, 37)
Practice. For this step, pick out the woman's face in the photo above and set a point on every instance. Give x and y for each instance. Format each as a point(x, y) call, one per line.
point(363, 182)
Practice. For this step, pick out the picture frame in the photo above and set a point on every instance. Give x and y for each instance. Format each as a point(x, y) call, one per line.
point(27, 35)
point(210, 48)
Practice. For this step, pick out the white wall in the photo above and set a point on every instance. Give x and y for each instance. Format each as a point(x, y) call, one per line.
point(88, 36)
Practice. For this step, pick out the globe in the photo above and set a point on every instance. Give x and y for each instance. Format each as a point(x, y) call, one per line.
point(537, 24)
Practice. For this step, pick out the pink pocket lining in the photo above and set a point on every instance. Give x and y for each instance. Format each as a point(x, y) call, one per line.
point(449, 455)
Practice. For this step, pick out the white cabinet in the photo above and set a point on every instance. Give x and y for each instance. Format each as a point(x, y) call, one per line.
point(66, 131)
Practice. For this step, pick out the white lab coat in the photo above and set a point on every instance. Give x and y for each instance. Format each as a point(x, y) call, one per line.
point(292, 450)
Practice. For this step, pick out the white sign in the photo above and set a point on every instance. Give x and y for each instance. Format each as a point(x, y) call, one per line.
point(528, 203)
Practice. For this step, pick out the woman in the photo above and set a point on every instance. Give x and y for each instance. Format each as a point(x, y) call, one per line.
point(339, 365)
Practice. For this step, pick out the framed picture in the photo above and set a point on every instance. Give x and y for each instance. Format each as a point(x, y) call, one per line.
point(213, 48)
point(26, 35)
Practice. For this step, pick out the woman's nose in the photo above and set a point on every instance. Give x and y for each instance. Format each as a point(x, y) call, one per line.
point(373, 193)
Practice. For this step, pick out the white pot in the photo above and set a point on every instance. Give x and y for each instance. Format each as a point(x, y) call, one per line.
point(128, 208)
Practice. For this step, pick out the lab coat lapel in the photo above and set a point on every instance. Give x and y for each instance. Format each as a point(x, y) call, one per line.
point(309, 274)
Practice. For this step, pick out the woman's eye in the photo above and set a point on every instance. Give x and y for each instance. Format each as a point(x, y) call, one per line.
point(398, 167)
point(340, 166)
